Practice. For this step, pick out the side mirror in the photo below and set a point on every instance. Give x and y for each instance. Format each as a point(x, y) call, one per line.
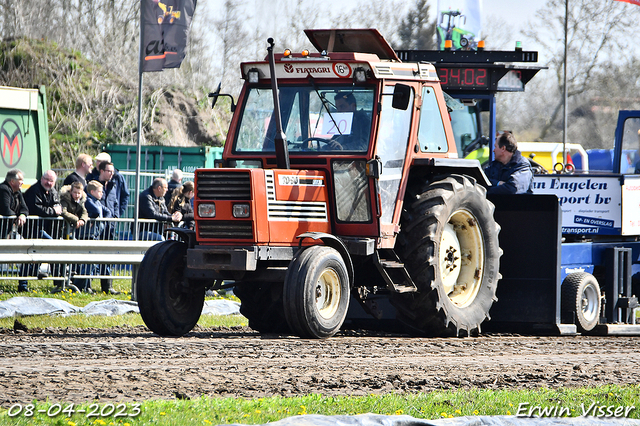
point(401, 96)
point(215, 95)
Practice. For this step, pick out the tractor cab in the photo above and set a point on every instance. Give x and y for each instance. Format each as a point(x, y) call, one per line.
point(346, 112)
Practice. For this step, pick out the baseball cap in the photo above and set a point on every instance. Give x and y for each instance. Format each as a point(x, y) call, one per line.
point(103, 156)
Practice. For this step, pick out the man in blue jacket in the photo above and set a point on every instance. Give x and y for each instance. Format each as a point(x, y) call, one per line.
point(116, 191)
point(98, 229)
point(510, 172)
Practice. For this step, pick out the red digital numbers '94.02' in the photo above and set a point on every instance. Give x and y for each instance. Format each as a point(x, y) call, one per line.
point(463, 77)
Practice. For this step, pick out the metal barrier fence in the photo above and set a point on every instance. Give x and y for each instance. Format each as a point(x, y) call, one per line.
point(94, 234)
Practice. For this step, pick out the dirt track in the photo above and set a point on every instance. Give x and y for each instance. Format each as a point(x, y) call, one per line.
point(132, 364)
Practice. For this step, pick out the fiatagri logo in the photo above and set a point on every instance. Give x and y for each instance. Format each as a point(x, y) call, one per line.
point(339, 69)
point(11, 142)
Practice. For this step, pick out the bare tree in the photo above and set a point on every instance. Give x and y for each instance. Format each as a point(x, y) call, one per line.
point(416, 31)
point(597, 34)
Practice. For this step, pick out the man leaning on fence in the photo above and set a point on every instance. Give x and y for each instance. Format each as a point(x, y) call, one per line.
point(42, 200)
point(12, 204)
point(12, 201)
point(152, 206)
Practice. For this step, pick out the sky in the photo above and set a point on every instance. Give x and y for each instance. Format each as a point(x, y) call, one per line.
point(515, 13)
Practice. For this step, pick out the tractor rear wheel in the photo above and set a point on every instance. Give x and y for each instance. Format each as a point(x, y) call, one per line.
point(261, 304)
point(316, 292)
point(169, 304)
point(581, 295)
point(449, 244)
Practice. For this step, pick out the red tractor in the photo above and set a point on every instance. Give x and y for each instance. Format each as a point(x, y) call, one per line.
point(340, 190)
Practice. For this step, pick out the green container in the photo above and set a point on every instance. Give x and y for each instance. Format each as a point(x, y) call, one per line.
point(163, 159)
point(24, 133)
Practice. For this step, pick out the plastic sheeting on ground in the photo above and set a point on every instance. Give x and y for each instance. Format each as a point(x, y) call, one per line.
point(26, 306)
point(381, 420)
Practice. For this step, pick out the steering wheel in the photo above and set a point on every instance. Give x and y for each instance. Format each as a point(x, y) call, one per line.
point(327, 142)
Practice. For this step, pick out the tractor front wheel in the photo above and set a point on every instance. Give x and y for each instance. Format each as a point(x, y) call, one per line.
point(169, 304)
point(316, 292)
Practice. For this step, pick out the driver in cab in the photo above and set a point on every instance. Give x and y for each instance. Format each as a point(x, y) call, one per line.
point(358, 138)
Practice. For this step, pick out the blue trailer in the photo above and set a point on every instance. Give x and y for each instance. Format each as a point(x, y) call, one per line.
point(572, 250)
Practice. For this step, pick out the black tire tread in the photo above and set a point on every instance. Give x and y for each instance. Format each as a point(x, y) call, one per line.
point(570, 301)
point(424, 313)
point(298, 317)
point(261, 304)
point(160, 272)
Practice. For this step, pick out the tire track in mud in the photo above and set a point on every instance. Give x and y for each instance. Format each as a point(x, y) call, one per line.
point(132, 364)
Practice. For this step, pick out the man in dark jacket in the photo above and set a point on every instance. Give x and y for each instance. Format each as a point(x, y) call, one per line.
point(510, 172)
point(152, 206)
point(12, 204)
point(174, 182)
point(11, 199)
point(42, 200)
point(83, 167)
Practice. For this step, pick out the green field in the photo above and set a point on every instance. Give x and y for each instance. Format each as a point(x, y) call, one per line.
point(434, 405)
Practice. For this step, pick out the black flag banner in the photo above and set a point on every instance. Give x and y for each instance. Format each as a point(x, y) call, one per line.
point(165, 29)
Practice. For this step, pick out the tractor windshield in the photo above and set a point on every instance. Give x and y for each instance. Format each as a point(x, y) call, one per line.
point(315, 119)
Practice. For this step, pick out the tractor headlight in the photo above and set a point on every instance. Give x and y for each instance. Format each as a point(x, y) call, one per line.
point(207, 210)
point(241, 210)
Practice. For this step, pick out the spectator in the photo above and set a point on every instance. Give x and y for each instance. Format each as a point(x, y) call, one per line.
point(42, 200)
point(11, 199)
point(97, 210)
point(152, 206)
point(181, 202)
point(72, 199)
point(510, 172)
point(117, 191)
point(83, 167)
point(175, 182)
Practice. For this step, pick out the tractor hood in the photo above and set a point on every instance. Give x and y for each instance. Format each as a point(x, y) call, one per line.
point(352, 40)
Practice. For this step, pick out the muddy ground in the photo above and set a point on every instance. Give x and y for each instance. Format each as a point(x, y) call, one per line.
point(133, 364)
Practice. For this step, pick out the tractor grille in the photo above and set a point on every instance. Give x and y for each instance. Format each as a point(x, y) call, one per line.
point(224, 186)
point(292, 210)
point(230, 229)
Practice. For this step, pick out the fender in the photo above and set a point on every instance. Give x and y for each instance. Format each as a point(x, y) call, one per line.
point(333, 242)
point(186, 235)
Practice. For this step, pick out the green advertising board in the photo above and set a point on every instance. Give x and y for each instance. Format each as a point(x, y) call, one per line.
point(24, 133)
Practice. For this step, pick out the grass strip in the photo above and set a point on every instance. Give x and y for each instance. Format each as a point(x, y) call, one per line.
point(563, 402)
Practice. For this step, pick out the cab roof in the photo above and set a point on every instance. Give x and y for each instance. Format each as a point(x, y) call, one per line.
point(367, 40)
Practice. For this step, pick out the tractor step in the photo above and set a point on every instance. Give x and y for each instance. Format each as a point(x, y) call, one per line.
point(393, 271)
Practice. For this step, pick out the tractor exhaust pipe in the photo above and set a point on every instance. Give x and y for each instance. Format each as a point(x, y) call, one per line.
point(280, 140)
